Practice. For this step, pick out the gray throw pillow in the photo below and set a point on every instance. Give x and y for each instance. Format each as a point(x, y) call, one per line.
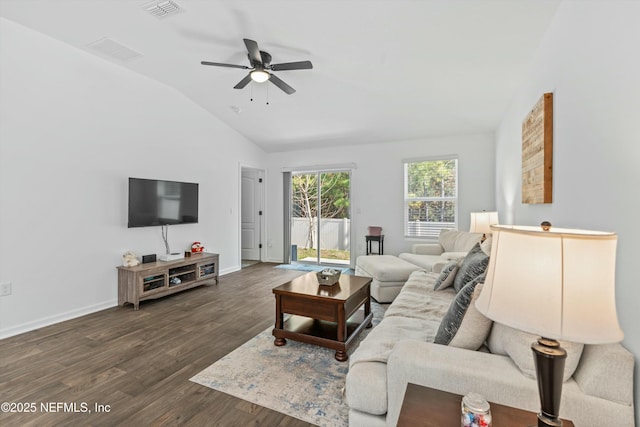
point(464, 326)
point(446, 277)
point(474, 264)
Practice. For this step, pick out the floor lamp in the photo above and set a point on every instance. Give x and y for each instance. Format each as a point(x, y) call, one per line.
point(556, 283)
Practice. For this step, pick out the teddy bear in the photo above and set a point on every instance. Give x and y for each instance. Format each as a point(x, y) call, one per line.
point(130, 259)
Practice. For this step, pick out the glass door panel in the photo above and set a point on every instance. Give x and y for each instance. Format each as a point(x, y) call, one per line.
point(320, 218)
point(334, 229)
point(304, 217)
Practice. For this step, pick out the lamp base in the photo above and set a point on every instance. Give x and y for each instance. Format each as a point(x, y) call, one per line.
point(549, 359)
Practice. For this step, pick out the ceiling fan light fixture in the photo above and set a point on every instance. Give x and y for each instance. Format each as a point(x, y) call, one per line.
point(259, 76)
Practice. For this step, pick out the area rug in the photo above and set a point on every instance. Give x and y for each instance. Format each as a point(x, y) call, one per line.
point(312, 267)
point(300, 380)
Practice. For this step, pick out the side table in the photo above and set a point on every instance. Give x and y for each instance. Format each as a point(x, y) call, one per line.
point(428, 407)
point(378, 238)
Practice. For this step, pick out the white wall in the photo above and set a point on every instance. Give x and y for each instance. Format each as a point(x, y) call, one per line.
point(589, 60)
point(377, 184)
point(73, 128)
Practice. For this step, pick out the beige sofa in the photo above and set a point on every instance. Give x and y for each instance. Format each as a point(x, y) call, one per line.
point(451, 244)
point(389, 272)
point(598, 390)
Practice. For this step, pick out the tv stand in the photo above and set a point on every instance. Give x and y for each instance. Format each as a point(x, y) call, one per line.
point(161, 278)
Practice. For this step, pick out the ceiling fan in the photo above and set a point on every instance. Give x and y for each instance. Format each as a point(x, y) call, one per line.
point(261, 65)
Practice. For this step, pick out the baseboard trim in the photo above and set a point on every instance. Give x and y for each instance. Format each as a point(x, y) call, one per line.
point(51, 320)
point(230, 270)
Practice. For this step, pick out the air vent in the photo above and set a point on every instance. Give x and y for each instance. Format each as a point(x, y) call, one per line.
point(163, 9)
point(114, 50)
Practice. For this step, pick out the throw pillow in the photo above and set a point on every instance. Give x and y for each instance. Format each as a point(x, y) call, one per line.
point(446, 277)
point(473, 265)
point(464, 326)
point(447, 239)
point(516, 344)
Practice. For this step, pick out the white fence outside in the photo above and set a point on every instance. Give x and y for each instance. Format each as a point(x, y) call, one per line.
point(334, 233)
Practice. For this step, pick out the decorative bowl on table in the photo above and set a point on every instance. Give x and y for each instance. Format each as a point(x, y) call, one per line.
point(328, 276)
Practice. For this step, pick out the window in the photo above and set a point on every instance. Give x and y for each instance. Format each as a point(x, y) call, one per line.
point(430, 196)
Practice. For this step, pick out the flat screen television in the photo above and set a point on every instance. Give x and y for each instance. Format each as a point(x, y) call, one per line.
point(154, 202)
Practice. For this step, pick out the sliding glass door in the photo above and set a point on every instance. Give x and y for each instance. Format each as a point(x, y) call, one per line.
point(321, 217)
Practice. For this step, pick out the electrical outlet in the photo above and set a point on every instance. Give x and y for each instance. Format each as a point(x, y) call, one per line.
point(5, 289)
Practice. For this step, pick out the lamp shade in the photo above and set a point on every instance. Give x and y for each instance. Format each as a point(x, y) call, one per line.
point(481, 221)
point(559, 284)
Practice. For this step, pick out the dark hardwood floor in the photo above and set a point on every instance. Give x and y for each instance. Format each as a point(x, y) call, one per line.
point(137, 364)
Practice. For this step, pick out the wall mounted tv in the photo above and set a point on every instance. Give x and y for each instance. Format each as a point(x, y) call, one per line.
point(154, 202)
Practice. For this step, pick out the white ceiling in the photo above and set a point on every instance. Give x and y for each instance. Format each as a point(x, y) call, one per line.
point(384, 70)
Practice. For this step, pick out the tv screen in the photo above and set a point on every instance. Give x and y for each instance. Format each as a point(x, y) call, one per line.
point(155, 202)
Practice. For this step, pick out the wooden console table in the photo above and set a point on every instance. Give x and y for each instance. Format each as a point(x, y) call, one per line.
point(160, 278)
point(428, 407)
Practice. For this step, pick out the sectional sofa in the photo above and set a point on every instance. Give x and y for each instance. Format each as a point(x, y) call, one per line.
point(432, 335)
point(389, 273)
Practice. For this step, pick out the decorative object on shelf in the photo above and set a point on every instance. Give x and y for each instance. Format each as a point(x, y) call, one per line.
point(537, 152)
point(476, 411)
point(328, 276)
point(197, 247)
point(375, 230)
point(550, 283)
point(130, 259)
point(148, 258)
point(481, 222)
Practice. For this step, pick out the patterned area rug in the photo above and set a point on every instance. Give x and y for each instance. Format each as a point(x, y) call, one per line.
point(301, 380)
point(313, 267)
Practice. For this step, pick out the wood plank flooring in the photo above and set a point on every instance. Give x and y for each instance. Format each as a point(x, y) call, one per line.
point(139, 362)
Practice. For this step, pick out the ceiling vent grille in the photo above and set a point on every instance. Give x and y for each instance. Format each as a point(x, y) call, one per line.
point(163, 9)
point(114, 50)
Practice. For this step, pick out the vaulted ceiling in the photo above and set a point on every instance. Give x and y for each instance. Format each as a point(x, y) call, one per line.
point(383, 70)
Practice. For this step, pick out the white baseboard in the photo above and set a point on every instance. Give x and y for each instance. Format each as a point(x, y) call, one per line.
point(48, 321)
point(229, 270)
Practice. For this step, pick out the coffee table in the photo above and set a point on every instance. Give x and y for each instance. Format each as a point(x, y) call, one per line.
point(327, 316)
point(428, 407)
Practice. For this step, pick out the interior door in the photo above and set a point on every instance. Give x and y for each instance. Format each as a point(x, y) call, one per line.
point(251, 213)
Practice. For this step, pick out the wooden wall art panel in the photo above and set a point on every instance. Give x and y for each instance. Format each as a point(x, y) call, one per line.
point(537, 152)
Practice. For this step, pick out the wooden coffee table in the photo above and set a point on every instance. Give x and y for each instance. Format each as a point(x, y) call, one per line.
point(428, 407)
point(327, 316)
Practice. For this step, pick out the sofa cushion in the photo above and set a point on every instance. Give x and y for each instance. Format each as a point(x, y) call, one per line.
point(423, 261)
point(458, 241)
point(385, 268)
point(516, 344)
point(473, 265)
point(415, 314)
point(445, 279)
point(464, 326)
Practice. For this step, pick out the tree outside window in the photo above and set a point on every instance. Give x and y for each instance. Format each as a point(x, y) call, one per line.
point(430, 196)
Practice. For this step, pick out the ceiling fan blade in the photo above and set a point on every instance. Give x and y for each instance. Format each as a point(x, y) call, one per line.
point(254, 51)
point(301, 65)
point(218, 64)
point(282, 85)
point(243, 82)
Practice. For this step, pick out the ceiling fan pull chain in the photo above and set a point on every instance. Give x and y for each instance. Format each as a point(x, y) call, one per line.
point(267, 95)
point(251, 91)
